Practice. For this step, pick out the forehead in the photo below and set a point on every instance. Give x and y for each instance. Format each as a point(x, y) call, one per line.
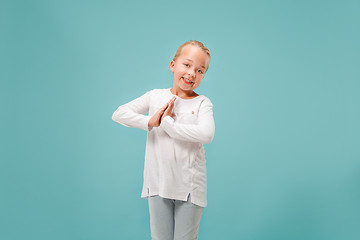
point(194, 54)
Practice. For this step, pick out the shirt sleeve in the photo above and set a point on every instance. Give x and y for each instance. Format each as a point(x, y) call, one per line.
point(202, 132)
point(132, 113)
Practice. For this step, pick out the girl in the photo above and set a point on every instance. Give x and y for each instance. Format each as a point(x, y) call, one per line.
point(178, 123)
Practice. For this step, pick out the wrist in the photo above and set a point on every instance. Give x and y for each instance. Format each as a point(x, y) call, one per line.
point(150, 125)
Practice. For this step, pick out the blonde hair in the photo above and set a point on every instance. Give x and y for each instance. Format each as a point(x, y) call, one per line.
point(194, 43)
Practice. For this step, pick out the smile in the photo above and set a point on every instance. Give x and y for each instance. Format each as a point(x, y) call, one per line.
point(187, 81)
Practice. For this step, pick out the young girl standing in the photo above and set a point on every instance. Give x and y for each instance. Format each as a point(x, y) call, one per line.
point(178, 123)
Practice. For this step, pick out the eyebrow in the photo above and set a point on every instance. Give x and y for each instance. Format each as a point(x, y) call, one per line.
point(192, 60)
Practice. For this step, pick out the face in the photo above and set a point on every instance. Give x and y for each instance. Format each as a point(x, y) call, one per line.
point(189, 68)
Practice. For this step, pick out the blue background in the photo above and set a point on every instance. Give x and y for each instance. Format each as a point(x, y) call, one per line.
point(284, 79)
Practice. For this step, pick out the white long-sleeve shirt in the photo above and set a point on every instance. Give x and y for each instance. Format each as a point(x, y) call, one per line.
point(175, 164)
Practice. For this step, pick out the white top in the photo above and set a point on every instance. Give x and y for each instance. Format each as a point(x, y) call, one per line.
point(175, 163)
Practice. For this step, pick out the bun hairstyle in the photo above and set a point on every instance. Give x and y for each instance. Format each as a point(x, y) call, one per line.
point(194, 43)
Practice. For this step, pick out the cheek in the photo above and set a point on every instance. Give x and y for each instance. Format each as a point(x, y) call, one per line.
point(199, 81)
point(197, 84)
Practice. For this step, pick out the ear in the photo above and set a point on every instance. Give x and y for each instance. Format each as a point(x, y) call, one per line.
point(172, 63)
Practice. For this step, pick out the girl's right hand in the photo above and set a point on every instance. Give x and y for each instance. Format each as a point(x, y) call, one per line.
point(155, 120)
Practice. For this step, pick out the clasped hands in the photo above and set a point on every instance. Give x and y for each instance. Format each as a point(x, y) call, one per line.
point(166, 110)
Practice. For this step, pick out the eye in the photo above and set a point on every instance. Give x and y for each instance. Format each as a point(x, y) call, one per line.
point(201, 72)
point(186, 64)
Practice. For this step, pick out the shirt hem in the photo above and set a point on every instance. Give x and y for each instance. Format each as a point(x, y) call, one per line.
point(176, 197)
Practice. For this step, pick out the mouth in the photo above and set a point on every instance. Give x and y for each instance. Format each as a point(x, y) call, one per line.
point(187, 81)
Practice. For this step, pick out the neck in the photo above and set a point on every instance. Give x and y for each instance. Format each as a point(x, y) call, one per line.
point(183, 94)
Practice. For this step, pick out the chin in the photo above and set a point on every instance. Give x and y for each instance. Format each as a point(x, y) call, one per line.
point(187, 88)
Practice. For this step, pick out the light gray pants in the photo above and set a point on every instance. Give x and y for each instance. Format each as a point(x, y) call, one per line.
point(174, 219)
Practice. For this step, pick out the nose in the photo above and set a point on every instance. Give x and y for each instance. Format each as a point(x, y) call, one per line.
point(191, 73)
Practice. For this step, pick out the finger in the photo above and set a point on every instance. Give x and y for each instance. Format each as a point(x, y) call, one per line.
point(171, 105)
point(167, 111)
point(171, 101)
point(165, 108)
point(159, 114)
point(162, 109)
point(166, 105)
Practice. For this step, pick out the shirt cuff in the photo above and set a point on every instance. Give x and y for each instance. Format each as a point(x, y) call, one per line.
point(147, 128)
point(167, 121)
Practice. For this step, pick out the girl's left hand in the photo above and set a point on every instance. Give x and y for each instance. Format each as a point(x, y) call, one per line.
point(169, 109)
